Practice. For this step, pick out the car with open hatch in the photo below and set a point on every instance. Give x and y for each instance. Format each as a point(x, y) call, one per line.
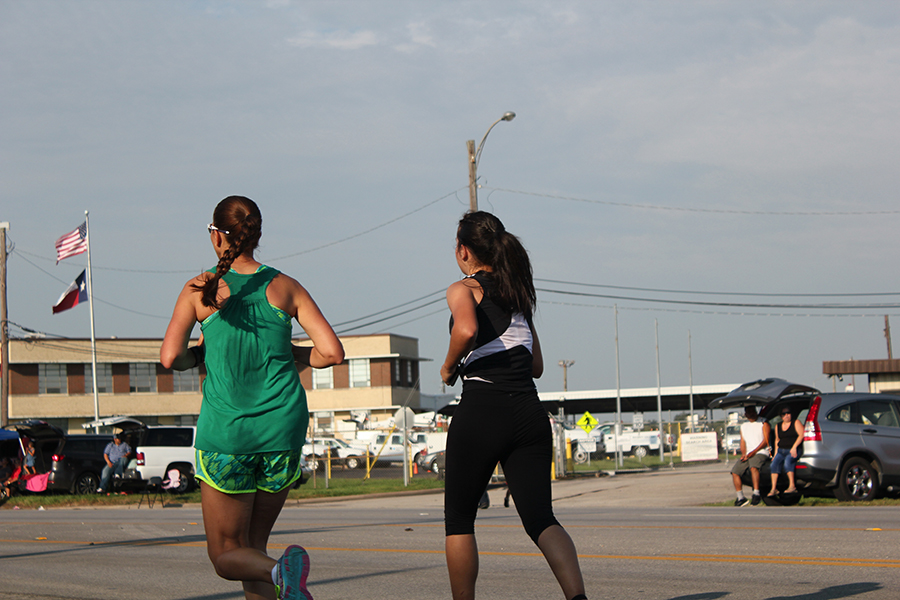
point(851, 440)
point(73, 462)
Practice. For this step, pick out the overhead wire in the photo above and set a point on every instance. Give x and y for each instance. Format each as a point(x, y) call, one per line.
point(703, 210)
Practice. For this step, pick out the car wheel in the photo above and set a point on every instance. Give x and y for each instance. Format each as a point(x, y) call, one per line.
point(87, 483)
point(352, 462)
point(858, 481)
point(640, 451)
point(435, 467)
point(580, 457)
point(315, 463)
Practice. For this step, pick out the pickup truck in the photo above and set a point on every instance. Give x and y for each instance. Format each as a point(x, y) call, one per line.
point(638, 443)
point(392, 451)
point(586, 444)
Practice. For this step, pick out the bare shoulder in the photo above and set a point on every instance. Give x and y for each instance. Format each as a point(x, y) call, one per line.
point(463, 286)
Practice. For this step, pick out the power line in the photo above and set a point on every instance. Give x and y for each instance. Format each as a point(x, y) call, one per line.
point(415, 308)
point(704, 210)
point(375, 314)
point(702, 293)
point(731, 304)
point(714, 312)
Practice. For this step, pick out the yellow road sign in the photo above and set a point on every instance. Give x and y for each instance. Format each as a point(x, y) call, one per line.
point(587, 422)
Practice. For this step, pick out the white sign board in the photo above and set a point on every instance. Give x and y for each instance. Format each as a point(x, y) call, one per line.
point(637, 421)
point(699, 446)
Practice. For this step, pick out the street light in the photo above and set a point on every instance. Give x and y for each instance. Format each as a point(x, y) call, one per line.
point(475, 157)
point(565, 364)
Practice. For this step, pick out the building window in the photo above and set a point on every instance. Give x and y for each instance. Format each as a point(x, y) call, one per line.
point(186, 381)
point(104, 379)
point(360, 373)
point(52, 378)
point(323, 379)
point(409, 372)
point(142, 377)
point(397, 372)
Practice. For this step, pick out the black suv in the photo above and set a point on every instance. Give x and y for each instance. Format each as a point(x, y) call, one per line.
point(851, 441)
point(75, 462)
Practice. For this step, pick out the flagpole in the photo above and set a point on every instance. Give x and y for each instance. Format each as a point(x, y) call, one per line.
point(87, 239)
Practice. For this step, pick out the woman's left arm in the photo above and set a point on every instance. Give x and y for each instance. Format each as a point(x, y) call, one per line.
point(799, 428)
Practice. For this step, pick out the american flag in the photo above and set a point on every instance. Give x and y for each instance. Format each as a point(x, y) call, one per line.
point(72, 243)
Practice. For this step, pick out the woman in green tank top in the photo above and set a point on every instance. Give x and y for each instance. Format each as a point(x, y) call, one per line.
point(254, 416)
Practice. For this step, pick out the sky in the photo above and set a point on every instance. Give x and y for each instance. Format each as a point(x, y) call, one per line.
point(722, 172)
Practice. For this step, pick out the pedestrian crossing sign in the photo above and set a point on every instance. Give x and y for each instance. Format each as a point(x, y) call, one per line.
point(587, 422)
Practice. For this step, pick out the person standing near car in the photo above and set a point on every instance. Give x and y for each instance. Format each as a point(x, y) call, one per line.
point(754, 455)
point(116, 456)
point(254, 415)
point(495, 349)
point(788, 437)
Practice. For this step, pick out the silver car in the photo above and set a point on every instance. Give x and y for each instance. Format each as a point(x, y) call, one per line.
point(851, 441)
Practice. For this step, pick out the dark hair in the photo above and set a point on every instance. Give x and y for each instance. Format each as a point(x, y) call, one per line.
point(484, 235)
point(240, 217)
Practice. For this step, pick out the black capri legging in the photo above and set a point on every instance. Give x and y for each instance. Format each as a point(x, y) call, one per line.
point(491, 426)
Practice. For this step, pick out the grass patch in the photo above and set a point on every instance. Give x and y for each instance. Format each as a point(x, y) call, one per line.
point(336, 488)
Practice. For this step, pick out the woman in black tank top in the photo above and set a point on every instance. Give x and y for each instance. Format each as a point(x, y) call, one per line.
point(495, 349)
point(788, 437)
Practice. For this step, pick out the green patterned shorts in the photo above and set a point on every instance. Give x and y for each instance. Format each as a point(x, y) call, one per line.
point(246, 473)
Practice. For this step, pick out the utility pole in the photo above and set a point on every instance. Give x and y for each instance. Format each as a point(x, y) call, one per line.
point(4, 332)
point(475, 156)
point(887, 335)
point(473, 188)
point(565, 364)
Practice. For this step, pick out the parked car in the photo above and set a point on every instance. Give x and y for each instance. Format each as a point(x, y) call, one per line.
point(851, 442)
point(74, 462)
point(342, 453)
point(390, 448)
point(731, 442)
point(159, 449)
point(436, 462)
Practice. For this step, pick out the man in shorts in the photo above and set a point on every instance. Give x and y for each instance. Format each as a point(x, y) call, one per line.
point(754, 455)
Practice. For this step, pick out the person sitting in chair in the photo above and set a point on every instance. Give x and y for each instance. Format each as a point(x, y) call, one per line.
point(116, 456)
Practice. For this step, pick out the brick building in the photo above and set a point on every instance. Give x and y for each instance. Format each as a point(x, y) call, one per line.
point(51, 379)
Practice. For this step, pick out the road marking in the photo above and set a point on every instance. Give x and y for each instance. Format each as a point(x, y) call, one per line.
point(729, 558)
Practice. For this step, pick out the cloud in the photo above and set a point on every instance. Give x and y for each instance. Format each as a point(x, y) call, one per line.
point(336, 40)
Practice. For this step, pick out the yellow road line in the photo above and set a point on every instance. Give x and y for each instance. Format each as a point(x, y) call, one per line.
point(733, 558)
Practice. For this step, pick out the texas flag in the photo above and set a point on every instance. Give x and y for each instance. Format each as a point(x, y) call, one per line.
point(75, 293)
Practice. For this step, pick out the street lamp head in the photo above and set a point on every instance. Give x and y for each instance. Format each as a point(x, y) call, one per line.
point(509, 116)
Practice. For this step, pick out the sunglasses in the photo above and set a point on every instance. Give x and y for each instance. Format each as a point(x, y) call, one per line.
point(210, 228)
point(787, 412)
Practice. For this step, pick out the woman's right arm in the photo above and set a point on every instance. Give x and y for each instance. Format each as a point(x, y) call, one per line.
point(465, 327)
point(174, 353)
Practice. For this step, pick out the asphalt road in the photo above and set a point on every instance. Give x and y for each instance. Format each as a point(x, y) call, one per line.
point(638, 536)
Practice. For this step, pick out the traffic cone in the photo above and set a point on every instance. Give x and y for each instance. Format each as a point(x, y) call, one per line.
point(415, 468)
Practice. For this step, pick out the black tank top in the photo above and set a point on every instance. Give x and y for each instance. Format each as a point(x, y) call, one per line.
point(503, 347)
point(787, 438)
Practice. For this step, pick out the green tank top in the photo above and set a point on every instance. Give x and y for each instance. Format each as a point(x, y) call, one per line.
point(252, 398)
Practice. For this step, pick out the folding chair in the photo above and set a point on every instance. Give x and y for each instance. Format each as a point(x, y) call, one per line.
point(153, 488)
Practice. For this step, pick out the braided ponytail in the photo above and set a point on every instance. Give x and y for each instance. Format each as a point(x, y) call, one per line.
point(240, 217)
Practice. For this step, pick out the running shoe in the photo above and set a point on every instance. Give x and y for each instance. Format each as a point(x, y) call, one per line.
point(290, 577)
point(741, 502)
point(755, 500)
